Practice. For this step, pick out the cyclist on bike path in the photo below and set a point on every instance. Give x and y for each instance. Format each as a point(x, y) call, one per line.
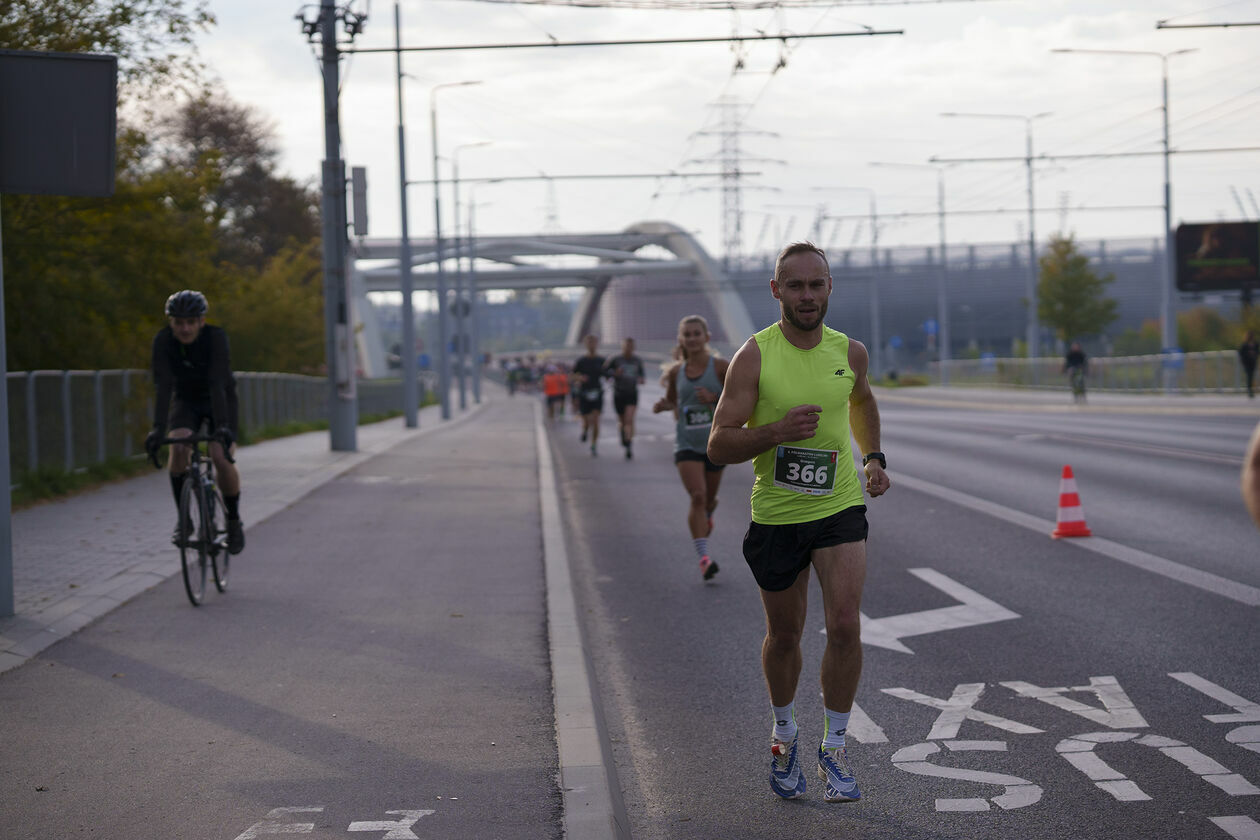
point(1076, 365)
point(192, 373)
point(801, 388)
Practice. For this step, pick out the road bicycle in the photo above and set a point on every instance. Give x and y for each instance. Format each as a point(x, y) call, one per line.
point(203, 520)
point(1077, 377)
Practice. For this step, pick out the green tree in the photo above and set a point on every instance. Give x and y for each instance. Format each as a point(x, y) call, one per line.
point(1143, 341)
point(152, 38)
point(275, 321)
point(260, 212)
point(1203, 328)
point(1070, 297)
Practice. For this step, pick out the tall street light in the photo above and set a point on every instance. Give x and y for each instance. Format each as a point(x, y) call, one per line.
point(410, 374)
point(462, 307)
point(942, 304)
point(1033, 336)
point(1167, 319)
point(444, 368)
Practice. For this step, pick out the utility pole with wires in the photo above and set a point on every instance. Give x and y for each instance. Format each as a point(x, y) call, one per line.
point(731, 160)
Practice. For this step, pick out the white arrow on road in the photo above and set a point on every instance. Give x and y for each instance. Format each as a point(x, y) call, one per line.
point(974, 610)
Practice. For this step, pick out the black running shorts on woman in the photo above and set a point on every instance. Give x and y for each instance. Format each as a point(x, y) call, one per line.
point(777, 554)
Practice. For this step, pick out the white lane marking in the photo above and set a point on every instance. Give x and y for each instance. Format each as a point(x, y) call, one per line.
point(1118, 712)
point(1079, 752)
point(974, 610)
point(863, 729)
point(588, 806)
point(1019, 793)
point(1247, 737)
point(397, 829)
point(959, 707)
point(1247, 710)
point(270, 825)
point(1235, 591)
point(1240, 828)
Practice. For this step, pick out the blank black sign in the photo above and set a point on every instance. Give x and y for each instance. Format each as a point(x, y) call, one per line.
point(57, 123)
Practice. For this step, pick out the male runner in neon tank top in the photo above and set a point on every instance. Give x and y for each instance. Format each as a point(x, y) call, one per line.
point(802, 388)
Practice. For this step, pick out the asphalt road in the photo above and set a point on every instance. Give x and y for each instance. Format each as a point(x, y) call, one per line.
point(1015, 686)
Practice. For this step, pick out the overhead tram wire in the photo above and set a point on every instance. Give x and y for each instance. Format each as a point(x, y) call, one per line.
point(628, 42)
point(720, 5)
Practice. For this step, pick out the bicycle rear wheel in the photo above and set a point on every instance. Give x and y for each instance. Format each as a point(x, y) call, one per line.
point(219, 557)
point(192, 549)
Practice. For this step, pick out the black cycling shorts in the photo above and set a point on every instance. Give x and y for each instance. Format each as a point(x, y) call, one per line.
point(681, 455)
point(777, 554)
point(192, 414)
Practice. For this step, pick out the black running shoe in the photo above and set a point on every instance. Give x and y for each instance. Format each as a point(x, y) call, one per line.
point(236, 536)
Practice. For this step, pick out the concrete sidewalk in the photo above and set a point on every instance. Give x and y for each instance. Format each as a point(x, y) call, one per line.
point(76, 559)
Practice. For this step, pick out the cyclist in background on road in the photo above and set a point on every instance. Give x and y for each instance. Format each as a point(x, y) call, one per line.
point(802, 388)
point(1076, 366)
point(693, 384)
point(192, 373)
point(626, 372)
point(589, 373)
point(1248, 354)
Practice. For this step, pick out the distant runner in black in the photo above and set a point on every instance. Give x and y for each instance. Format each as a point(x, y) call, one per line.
point(192, 373)
point(588, 371)
point(627, 374)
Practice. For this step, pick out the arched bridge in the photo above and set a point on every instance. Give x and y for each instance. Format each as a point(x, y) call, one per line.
point(655, 251)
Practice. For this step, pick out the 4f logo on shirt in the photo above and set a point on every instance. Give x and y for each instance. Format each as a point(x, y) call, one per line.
point(840, 372)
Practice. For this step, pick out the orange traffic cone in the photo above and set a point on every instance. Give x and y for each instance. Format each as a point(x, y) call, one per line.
point(1071, 518)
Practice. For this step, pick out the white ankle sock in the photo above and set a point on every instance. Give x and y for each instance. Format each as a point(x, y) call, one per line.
point(784, 722)
point(835, 725)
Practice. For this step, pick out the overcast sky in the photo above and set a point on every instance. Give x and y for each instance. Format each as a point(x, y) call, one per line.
point(810, 128)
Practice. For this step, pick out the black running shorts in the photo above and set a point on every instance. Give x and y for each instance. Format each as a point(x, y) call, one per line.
point(622, 399)
point(777, 554)
point(681, 455)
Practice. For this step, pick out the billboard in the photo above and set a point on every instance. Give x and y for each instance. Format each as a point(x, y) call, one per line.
point(57, 123)
point(1218, 256)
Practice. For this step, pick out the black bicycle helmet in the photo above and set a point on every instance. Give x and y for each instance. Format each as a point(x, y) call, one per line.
point(186, 304)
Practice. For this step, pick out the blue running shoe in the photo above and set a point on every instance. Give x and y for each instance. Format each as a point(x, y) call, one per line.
point(833, 769)
point(786, 778)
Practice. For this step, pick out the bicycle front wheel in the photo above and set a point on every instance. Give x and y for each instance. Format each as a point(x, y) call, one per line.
point(219, 557)
point(192, 549)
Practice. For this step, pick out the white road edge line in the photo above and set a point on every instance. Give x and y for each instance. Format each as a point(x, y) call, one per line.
point(588, 806)
point(1235, 591)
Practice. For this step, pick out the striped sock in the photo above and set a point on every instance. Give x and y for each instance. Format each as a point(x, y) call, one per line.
point(784, 722)
point(836, 724)
point(702, 546)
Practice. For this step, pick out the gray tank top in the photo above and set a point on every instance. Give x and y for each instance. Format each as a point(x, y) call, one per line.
point(695, 418)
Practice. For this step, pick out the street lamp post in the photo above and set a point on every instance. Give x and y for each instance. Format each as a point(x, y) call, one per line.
point(1167, 318)
point(410, 375)
point(942, 302)
point(461, 305)
point(1033, 333)
point(444, 369)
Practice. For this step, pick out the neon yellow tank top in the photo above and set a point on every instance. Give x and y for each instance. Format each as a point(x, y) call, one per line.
point(803, 481)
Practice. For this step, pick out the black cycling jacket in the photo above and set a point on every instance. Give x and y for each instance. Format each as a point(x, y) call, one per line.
point(200, 372)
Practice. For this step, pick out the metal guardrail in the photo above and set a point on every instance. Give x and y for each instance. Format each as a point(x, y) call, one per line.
point(1215, 371)
point(70, 419)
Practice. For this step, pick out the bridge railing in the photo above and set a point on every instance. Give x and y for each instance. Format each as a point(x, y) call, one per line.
point(70, 419)
point(1215, 371)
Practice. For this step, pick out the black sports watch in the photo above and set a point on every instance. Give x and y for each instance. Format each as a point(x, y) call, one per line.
point(875, 456)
